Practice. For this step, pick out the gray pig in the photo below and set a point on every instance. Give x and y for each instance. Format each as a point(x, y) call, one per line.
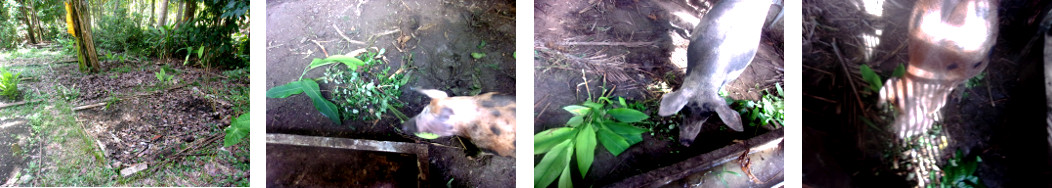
point(722, 45)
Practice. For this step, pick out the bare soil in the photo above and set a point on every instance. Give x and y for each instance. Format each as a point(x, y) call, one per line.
point(630, 48)
point(438, 37)
point(1001, 120)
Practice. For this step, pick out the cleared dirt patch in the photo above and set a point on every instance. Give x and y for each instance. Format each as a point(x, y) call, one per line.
point(433, 40)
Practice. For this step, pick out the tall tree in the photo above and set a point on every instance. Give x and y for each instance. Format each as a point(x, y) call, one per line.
point(164, 13)
point(86, 53)
point(153, 3)
point(29, 23)
point(189, 11)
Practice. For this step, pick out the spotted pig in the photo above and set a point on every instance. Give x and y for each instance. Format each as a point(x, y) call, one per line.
point(487, 119)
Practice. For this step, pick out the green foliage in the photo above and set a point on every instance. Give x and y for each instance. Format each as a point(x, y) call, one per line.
point(477, 55)
point(310, 87)
point(113, 99)
point(367, 93)
point(237, 130)
point(9, 83)
point(602, 121)
point(162, 77)
point(960, 173)
point(426, 135)
point(871, 77)
point(975, 81)
point(770, 108)
point(68, 94)
point(899, 71)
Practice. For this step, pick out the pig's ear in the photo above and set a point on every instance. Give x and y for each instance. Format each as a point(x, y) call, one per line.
point(673, 102)
point(729, 116)
point(434, 94)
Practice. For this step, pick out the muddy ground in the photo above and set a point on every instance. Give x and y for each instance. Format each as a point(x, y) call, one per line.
point(630, 48)
point(438, 37)
point(1001, 120)
point(129, 117)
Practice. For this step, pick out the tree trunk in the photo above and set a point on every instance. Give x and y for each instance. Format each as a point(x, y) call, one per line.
point(82, 30)
point(191, 9)
point(178, 14)
point(36, 21)
point(164, 14)
point(29, 25)
point(153, 12)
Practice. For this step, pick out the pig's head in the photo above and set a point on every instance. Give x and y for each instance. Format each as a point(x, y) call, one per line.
point(700, 105)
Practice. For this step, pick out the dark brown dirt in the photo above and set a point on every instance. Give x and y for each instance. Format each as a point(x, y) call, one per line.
point(151, 121)
point(628, 46)
point(329, 167)
point(1001, 120)
point(442, 35)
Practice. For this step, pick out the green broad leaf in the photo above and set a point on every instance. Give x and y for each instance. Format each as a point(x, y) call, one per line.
point(622, 100)
point(237, 130)
point(552, 164)
point(564, 179)
point(593, 105)
point(545, 140)
point(286, 90)
point(324, 106)
point(477, 55)
point(613, 142)
point(200, 51)
point(351, 62)
point(632, 134)
point(482, 44)
point(623, 128)
point(899, 71)
point(871, 77)
point(627, 115)
point(585, 149)
point(577, 110)
point(778, 87)
point(575, 121)
point(426, 135)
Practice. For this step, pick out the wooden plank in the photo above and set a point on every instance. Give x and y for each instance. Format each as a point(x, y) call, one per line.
point(701, 163)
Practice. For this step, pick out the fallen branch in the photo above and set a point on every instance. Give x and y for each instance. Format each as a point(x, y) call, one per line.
point(345, 36)
point(2, 106)
point(89, 106)
point(626, 44)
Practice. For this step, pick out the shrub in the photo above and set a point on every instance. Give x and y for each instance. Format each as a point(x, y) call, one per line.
point(8, 83)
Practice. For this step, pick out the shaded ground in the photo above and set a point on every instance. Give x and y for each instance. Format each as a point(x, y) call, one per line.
point(1000, 120)
point(630, 48)
point(126, 117)
point(432, 39)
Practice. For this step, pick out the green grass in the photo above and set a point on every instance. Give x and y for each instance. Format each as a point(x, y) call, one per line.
point(33, 53)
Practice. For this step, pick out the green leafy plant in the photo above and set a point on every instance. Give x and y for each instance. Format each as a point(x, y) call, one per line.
point(237, 130)
point(9, 83)
point(68, 94)
point(478, 55)
point(592, 123)
point(113, 99)
point(960, 173)
point(975, 81)
point(310, 87)
point(370, 92)
point(770, 109)
point(871, 77)
point(163, 77)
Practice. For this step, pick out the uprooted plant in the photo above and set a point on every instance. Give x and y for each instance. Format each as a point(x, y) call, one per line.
point(362, 95)
point(600, 120)
point(368, 94)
